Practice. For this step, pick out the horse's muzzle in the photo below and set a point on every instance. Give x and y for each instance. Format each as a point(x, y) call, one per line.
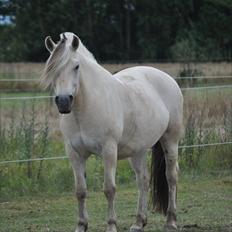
point(64, 103)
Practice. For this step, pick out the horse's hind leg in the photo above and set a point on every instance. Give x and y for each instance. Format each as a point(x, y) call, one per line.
point(109, 155)
point(170, 147)
point(139, 165)
point(78, 164)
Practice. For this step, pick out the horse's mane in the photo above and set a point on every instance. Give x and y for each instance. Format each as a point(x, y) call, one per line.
point(60, 56)
point(85, 52)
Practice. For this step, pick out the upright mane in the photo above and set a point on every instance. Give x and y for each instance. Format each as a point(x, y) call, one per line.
point(60, 56)
point(85, 52)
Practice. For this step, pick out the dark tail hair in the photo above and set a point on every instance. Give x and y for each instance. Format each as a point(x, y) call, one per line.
point(158, 180)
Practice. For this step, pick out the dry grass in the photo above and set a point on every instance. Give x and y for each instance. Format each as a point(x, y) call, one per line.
point(208, 69)
point(208, 107)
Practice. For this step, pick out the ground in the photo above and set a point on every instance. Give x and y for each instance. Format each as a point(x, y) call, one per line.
point(204, 204)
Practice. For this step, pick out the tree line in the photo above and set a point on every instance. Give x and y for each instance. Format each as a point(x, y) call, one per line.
point(120, 30)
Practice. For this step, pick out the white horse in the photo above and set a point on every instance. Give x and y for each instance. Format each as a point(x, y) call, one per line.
point(116, 117)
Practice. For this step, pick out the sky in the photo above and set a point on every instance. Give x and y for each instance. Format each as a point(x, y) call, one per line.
point(5, 20)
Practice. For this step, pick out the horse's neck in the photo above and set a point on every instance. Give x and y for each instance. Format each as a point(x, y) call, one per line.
point(95, 82)
point(92, 73)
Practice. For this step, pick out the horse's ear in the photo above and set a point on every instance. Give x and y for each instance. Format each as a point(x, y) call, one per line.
point(75, 42)
point(49, 44)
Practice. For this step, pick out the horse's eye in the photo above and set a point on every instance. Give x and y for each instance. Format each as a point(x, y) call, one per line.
point(76, 67)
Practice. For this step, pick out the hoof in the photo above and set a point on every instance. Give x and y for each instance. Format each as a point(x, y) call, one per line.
point(81, 228)
point(111, 228)
point(170, 228)
point(136, 228)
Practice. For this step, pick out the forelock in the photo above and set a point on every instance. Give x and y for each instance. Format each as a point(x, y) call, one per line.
point(57, 60)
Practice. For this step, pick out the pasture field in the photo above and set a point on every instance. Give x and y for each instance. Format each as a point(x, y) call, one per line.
point(204, 205)
point(29, 129)
point(38, 196)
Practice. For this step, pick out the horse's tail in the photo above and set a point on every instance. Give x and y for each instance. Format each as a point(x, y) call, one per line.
point(158, 180)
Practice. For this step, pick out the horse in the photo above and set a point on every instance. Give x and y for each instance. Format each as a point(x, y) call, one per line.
point(117, 116)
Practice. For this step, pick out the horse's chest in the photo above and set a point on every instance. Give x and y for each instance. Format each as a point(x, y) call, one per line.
point(87, 143)
point(80, 139)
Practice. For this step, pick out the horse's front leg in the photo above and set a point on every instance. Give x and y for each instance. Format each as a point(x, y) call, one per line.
point(139, 165)
point(109, 155)
point(78, 164)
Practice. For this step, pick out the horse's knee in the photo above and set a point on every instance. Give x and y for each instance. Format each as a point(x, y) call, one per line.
point(81, 194)
point(171, 178)
point(146, 181)
point(143, 182)
point(142, 178)
point(171, 163)
point(109, 192)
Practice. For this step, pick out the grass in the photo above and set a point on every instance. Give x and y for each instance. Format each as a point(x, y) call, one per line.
point(30, 129)
point(38, 196)
point(204, 204)
point(24, 94)
point(18, 104)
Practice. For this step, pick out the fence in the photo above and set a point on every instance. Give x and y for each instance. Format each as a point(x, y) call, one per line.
point(64, 157)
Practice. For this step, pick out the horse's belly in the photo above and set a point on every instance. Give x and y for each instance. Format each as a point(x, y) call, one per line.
point(143, 134)
point(139, 143)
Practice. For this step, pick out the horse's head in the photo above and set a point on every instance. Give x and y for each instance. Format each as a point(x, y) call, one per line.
point(62, 70)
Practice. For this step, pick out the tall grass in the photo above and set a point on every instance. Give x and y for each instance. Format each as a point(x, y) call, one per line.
point(29, 129)
point(25, 70)
point(208, 117)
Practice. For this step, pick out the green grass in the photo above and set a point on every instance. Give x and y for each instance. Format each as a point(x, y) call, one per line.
point(47, 202)
point(18, 104)
point(24, 94)
point(29, 129)
point(204, 204)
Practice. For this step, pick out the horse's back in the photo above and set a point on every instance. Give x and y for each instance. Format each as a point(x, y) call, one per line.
point(163, 83)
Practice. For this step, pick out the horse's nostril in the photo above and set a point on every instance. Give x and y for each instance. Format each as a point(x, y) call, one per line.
point(56, 99)
point(71, 97)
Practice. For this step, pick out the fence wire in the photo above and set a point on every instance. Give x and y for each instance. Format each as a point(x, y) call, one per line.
point(183, 89)
point(207, 87)
point(65, 157)
point(26, 97)
point(19, 80)
point(202, 77)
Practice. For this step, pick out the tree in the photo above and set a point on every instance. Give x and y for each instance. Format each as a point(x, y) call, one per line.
point(119, 30)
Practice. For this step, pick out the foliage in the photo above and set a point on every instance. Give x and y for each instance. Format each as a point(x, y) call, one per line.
point(120, 30)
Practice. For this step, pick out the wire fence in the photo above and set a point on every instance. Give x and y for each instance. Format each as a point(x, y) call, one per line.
point(65, 157)
point(26, 97)
point(19, 80)
point(202, 77)
point(183, 89)
point(207, 87)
